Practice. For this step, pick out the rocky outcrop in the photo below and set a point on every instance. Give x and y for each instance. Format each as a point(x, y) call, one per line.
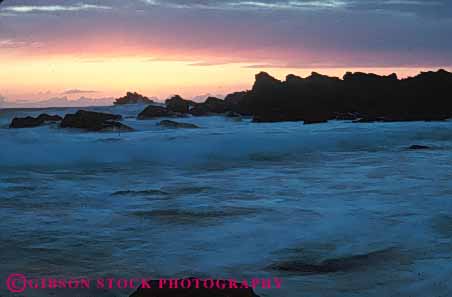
point(234, 99)
point(86, 120)
point(295, 99)
point(27, 122)
point(357, 96)
point(236, 103)
point(211, 106)
point(30, 122)
point(133, 98)
point(216, 105)
point(178, 104)
point(173, 124)
point(94, 121)
point(155, 289)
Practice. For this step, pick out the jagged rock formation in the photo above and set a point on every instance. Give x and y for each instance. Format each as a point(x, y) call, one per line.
point(360, 96)
point(133, 98)
point(234, 98)
point(177, 106)
point(211, 106)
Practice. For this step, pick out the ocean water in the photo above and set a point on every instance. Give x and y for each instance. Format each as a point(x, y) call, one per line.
point(232, 199)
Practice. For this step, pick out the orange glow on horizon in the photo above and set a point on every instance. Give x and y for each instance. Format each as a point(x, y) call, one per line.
point(37, 77)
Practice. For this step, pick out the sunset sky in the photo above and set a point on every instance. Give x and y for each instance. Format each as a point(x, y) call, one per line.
point(74, 48)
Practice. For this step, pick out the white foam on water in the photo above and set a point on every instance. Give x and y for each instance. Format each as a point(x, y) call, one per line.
point(229, 200)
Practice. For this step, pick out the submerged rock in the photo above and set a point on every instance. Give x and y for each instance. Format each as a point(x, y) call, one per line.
point(419, 147)
point(154, 111)
point(94, 121)
point(30, 122)
point(133, 98)
point(113, 126)
point(158, 289)
point(343, 264)
point(173, 124)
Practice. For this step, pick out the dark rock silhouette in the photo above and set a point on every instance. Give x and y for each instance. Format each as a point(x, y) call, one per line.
point(358, 96)
point(133, 98)
point(316, 118)
point(30, 122)
point(50, 118)
point(172, 124)
point(27, 122)
point(156, 291)
point(200, 110)
point(154, 111)
point(94, 121)
point(295, 99)
point(418, 147)
point(178, 104)
point(216, 105)
point(235, 102)
point(211, 106)
point(235, 98)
